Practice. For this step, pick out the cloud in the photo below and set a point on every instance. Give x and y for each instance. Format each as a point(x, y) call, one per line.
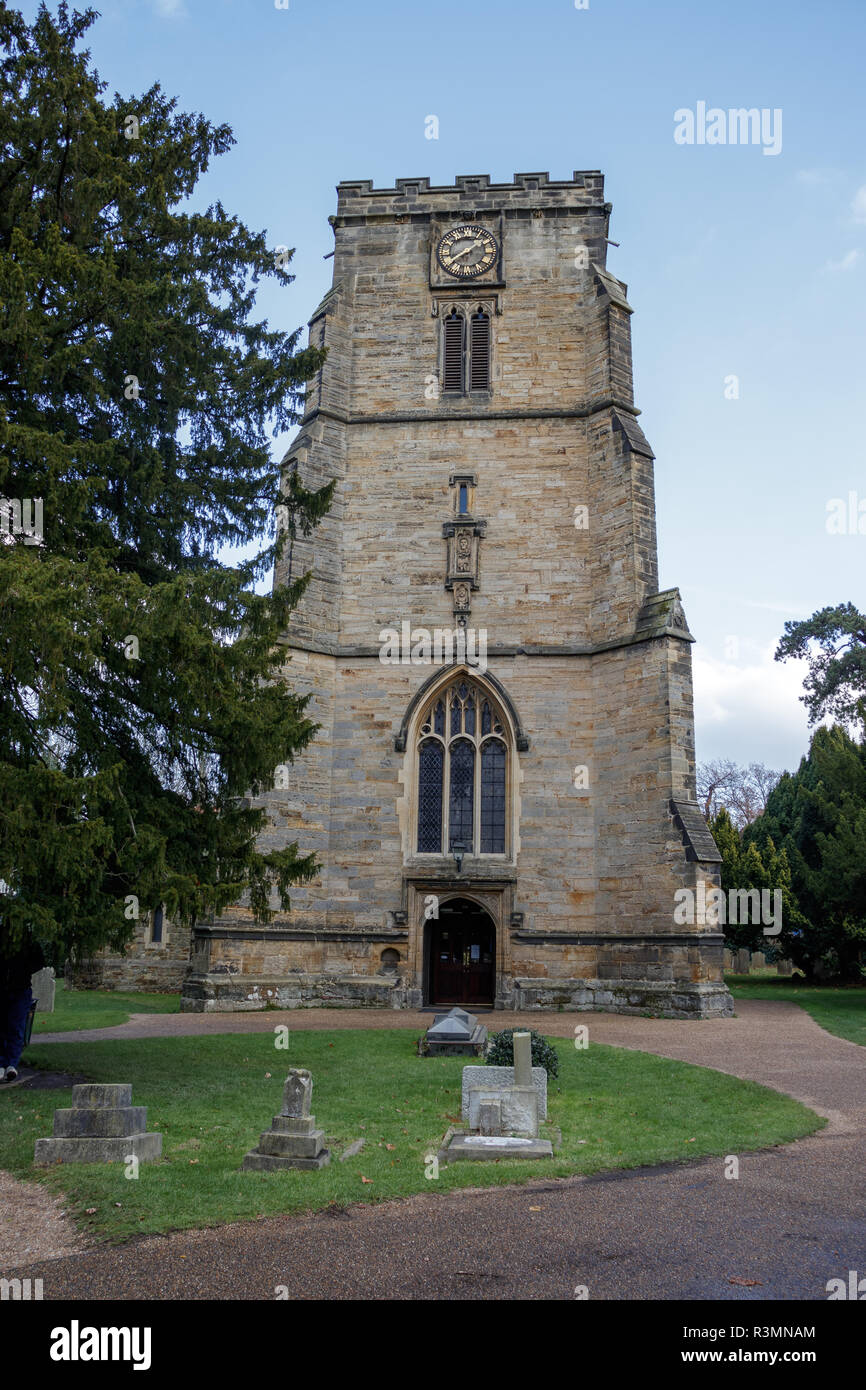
point(169, 9)
point(858, 205)
point(846, 262)
point(816, 178)
point(750, 711)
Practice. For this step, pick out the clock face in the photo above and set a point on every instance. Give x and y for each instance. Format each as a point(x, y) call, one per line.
point(467, 251)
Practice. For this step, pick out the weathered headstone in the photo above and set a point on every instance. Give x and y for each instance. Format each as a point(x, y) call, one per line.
point(43, 986)
point(784, 967)
point(292, 1140)
point(103, 1126)
point(499, 1079)
point(742, 962)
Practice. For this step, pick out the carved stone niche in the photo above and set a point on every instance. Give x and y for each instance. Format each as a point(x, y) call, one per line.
point(464, 539)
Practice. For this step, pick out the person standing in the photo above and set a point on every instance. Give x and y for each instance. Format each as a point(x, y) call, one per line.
point(16, 998)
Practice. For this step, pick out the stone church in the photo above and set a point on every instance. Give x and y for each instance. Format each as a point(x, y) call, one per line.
point(501, 793)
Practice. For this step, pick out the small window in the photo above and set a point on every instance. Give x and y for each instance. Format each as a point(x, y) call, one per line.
point(464, 499)
point(156, 929)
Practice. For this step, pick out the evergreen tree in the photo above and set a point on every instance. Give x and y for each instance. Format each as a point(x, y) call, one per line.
point(833, 642)
point(141, 696)
point(818, 817)
point(746, 867)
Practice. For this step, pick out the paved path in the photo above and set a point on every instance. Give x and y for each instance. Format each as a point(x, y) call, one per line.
point(794, 1219)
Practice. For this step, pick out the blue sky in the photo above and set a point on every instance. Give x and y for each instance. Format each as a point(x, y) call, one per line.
point(738, 263)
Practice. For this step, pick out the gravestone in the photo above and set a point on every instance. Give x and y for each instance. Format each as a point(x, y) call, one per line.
point(498, 1079)
point(456, 1034)
point(43, 986)
point(292, 1140)
point(784, 967)
point(103, 1126)
point(503, 1118)
point(742, 962)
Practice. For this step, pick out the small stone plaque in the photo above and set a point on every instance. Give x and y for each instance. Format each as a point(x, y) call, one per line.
point(501, 1141)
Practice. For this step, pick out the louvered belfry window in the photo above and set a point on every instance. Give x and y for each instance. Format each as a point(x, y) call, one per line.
point(452, 373)
point(479, 352)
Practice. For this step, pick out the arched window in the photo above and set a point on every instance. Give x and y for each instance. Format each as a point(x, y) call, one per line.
point(462, 773)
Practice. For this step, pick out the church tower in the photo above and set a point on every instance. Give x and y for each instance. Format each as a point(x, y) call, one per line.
point(501, 793)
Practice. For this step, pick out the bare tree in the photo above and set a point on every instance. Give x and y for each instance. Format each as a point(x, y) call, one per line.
point(743, 791)
point(715, 781)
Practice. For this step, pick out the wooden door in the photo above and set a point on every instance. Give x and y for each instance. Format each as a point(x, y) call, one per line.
point(463, 969)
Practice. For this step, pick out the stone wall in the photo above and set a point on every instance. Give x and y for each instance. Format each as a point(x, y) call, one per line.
point(145, 967)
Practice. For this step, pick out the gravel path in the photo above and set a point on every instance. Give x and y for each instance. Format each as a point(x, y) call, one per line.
point(34, 1225)
point(794, 1219)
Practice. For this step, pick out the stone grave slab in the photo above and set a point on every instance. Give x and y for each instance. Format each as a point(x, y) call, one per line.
point(487, 1148)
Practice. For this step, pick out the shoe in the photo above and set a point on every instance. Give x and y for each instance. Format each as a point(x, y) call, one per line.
point(11, 1074)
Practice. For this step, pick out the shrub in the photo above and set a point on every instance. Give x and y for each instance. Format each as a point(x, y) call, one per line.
point(500, 1051)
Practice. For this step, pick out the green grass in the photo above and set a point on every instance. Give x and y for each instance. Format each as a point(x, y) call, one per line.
point(99, 1008)
point(211, 1097)
point(841, 1010)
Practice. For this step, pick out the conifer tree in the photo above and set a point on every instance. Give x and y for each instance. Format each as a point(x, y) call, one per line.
point(746, 867)
point(818, 817)
point(833, 641)
point(141, 696)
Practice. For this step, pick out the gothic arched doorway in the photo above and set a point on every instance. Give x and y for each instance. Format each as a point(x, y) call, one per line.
point(462, 954)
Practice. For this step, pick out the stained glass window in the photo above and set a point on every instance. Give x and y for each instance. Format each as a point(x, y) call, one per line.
point(461, 798)
point(439, 719)
point(431, 758)
point(493, 797)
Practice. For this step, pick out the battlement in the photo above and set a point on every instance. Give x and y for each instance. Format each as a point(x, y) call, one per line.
point(585, 189)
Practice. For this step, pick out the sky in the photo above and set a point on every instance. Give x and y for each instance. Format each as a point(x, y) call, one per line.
point(746, 269)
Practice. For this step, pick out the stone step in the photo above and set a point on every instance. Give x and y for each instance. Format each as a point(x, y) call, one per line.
point(290, 1124)
point(256, 1162)
point(292, 1145)
point(145, 1147)
point(110, 1095)
point(100, 1123)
